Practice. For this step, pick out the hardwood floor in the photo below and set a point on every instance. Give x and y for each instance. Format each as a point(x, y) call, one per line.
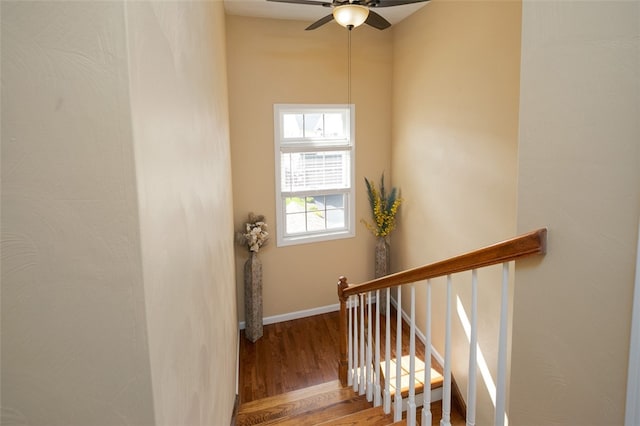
point(298, 354)
point(291, 355)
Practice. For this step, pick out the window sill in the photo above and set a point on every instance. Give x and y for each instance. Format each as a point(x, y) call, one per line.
point(314, 238)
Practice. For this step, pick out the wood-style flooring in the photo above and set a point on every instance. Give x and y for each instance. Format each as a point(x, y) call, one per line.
point(294, 355)
point(290, 355)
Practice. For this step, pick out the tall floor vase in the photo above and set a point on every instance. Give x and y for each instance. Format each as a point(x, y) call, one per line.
point(383, 267)
point(253, 297)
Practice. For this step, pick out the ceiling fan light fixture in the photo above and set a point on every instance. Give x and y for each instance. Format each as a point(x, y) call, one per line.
point(350, 15)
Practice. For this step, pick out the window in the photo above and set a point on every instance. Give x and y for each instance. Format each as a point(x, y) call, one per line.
point(314, 148)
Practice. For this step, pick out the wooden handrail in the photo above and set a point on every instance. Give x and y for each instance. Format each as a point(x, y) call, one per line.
point(524, 245)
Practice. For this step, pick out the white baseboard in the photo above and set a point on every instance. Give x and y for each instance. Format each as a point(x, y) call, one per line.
point(332, 308)
point(296, 315)
point(238, 364)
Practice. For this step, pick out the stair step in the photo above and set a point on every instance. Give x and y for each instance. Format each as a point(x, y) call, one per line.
point(326, 414)
point(290, 396)
point(436, 377)
point(325, 404)
point(370, 417)
point(315, 402)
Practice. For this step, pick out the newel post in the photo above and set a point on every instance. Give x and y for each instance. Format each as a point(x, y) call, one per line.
point(342, 362)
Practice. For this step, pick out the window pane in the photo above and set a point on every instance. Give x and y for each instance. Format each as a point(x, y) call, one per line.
point(294, 204)
point(296, 223)
point(334, 126)
point(285, 172)
point(335, 219)
point(315, 213)
point(315, 221)
point(330, 125)
point(303, 171)
point(315, 204)
point(313, 126)
point(292, 124)
point(334, 201)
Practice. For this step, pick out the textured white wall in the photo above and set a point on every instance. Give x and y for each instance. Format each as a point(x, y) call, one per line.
point(183, 165)
point(118, 287)
point(579, 174)
point(74, 338)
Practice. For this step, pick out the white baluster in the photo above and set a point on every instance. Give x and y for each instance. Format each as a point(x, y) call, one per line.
point(387, 354)
point(376, 368)
point(446, 389)
point(473, 356)
point(350, 343)
point(356, 371)
point(411, 404)
point(369, 343)
point(426, 396)
point(501, 385)
point(397, 409)
point(362, 366)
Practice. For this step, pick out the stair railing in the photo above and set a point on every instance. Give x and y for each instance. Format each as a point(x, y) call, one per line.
point(359, 371)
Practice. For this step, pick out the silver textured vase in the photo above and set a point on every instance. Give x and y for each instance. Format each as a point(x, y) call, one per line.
point(383, 267)
point(253, 297)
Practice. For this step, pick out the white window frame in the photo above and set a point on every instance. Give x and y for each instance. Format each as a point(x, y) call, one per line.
point(281, 145)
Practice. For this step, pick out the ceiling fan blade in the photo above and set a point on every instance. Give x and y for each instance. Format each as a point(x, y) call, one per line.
point(320, 22)
point(377, 21)
point(311, 2)
point(389, 3)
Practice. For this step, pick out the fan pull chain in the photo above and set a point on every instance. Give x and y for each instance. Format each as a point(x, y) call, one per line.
point(349, 69)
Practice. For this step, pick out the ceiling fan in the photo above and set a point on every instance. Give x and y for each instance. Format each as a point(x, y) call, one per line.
point(351, 14)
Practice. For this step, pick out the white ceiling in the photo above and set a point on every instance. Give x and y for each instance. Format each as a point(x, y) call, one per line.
point(307, 13)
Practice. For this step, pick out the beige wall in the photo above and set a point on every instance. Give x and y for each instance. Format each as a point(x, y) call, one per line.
point(579, 174)
point(454, 151)
point(271, 61)
point(117, 269)
point(181, 134)
point(74, 336)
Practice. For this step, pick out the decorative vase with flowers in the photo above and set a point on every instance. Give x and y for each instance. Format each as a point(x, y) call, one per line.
point(384, 208)
point(253, 236)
